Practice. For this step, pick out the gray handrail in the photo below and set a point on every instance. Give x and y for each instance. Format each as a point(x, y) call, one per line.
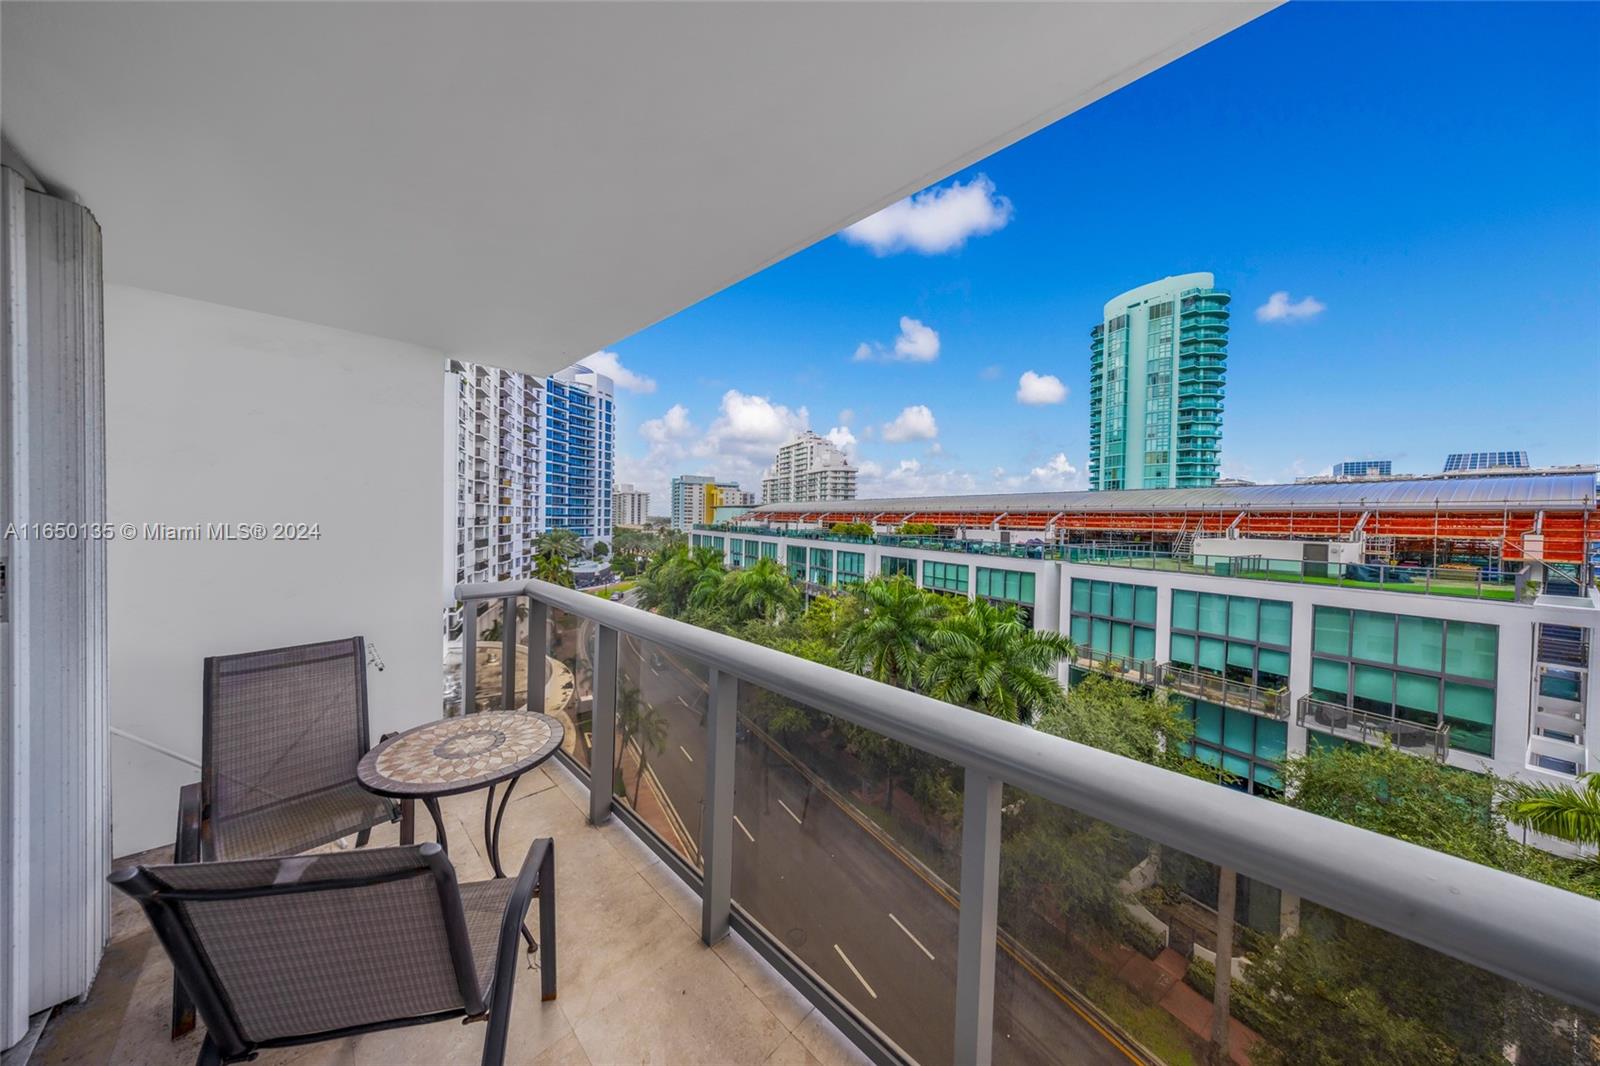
point(1533, 933)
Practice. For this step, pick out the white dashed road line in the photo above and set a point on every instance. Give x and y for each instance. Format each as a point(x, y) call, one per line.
point(793, 815)
point(746, 832)
point(912, 935)
point(686, 754)
point(853, 969)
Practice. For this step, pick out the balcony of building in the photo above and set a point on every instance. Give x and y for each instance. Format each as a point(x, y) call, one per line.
point(1197, 683)
point(1351, 723)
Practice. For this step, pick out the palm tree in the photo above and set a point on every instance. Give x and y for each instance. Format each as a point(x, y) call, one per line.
point(762, 591)
point(888, 641)
point(562, 542)
point(987, 659)
point(680, 576)
point(1568, 813)
point(645, 726)
point(552, 567)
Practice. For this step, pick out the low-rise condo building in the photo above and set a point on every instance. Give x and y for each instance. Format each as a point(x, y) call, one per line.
point(1452, 617)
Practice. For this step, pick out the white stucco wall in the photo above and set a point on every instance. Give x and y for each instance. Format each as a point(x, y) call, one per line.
point(215, 414)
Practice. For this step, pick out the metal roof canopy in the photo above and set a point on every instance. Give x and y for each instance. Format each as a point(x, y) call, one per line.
point(1563, 492)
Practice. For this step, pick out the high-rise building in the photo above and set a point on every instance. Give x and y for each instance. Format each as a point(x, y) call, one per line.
point(1157, 366)
point(1363, 468)
point(1456, 462)
point(531, 454)
point(810, 467)
point(696, 497)
point(579, 449)
point(629, 506)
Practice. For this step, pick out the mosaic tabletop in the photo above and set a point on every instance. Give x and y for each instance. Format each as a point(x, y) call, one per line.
point(459, 754)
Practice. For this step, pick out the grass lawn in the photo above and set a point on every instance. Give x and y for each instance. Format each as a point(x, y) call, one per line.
point(605, 591)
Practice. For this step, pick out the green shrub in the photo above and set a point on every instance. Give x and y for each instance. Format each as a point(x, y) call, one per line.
point(1243, 1003)
point(1144, 940)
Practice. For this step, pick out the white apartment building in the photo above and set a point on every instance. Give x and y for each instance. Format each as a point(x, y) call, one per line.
point(629, 506)
point(531, 454)
point(696, 497)
point(810, 467)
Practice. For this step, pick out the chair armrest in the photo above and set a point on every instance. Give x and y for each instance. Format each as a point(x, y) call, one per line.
point(186, 844)
point(537, 876)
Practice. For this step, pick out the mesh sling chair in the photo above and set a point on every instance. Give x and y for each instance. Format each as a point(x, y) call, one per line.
point(283, 732)
point(295, 950)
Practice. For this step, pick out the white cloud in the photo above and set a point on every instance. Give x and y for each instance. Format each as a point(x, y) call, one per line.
point(911, 478)
point(1279, 308)
point(749, 423)
point(1056, 473)
point(917, 343)
point(842, 438)
point(846, 417)
point(674, 425)
point(990, 372)
point(935, 220)
point(914, 423)
point(1040, 388)
point(610, 364)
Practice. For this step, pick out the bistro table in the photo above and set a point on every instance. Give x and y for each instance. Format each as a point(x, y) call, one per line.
point(455, 755)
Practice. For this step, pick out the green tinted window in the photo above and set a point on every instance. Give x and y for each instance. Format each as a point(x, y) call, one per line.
point(1101, 641)
point(1272, 740)
point(1329, 677)
point(1416, 692)
point(892, 565)
point(1373, 637)
point(1121, 640)
point(1242, 618)
point(1183, 649)
point(1373, 683)
point(1275, 622)
point(1469, 703)
point(1122, 601)
point(1213, 613)
point(1080, 595)
point(1144, 605)
point(1242, 655)
point(1185, 608)
point(1212, 654)
point(1144, 643)
point(1208, 722)
point(1080, 630)
point(1470, 649)
point(1273, 663)
point(1100, 601)
point(1420, 643)
point(1331, 628)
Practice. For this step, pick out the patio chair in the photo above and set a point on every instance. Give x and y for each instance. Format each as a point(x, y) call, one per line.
point(283, 731)
point(297, 950)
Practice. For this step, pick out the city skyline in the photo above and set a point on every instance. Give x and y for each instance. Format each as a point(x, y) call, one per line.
point(1365, 272)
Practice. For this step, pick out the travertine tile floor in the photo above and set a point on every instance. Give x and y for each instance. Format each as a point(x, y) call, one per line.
point(635, 983)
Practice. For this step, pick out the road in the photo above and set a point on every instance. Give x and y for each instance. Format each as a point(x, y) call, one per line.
point(857, 914)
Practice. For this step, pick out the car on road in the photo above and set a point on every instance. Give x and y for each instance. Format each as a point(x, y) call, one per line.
point(616, 596)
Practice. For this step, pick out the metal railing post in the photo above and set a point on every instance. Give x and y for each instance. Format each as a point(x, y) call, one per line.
point(469, 656)
point(716, 834)
point(508, 654)
point(603, 727)
point(538, 653)
point(979, 919)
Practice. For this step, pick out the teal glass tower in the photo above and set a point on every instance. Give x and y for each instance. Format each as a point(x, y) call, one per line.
point(1157, 365)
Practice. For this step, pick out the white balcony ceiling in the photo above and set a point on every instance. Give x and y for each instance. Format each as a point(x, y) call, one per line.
point(526, 183)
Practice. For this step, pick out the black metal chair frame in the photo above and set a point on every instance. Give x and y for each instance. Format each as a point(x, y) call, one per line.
point(193, 840)
point(225, 1041)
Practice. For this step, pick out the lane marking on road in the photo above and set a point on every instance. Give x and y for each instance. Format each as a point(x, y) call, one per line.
point(743, 830)
point(793, 815)
point(686, 754)
point(852, 966)
point(685, 702)
point(912, 935)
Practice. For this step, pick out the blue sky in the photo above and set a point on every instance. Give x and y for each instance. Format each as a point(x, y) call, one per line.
point(1427, 175)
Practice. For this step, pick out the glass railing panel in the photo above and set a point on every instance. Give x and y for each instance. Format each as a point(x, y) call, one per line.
point(1109, 941)
point(846, 851)
point(569, 681)
point(659, 765)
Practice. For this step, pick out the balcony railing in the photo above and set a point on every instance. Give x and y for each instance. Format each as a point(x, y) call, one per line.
point(1139, 671)
point(1338, 720)
point(1213, 688)
point(746, 799)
